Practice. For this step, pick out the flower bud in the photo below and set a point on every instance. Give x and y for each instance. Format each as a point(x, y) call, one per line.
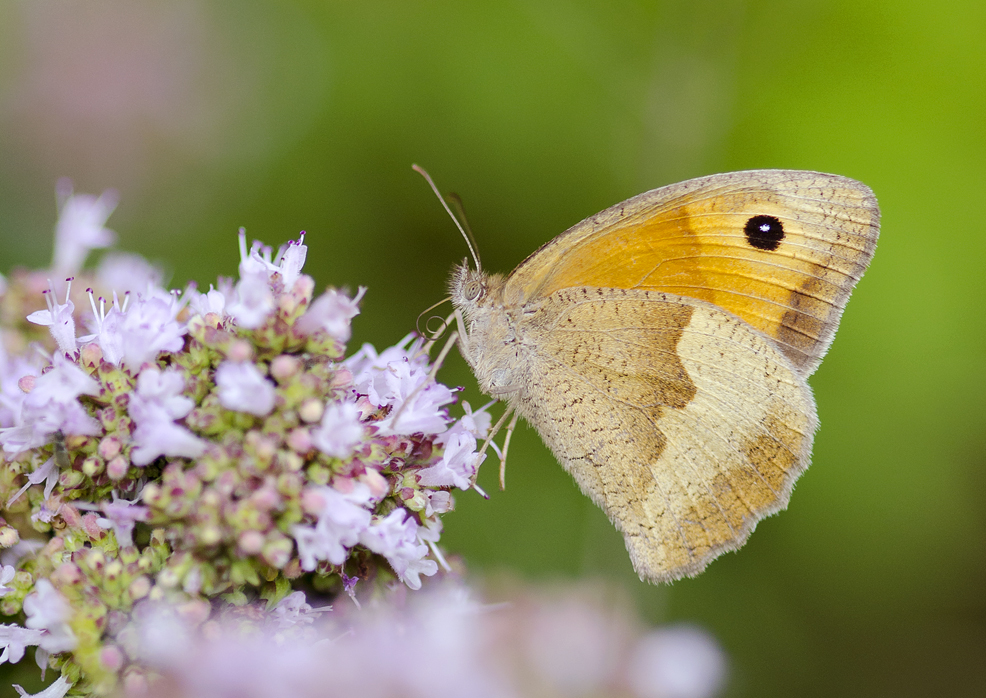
point(311, 410)
point(91, 354)
point(68, 573)
point(70, 479)
point(284, 367)
point(114, 570)
point(251, 542)
point(117, 468)
point(112, 658)
point(109, 447)
point(277, 553)
point(92, 466)
point(9, 537)
point(300, 440)
point(139, 588)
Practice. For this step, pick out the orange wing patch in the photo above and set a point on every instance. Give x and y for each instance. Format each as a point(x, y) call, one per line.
point(783, 256)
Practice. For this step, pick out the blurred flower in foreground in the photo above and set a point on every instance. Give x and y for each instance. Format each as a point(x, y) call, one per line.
point(440, 642)
point(180, 483)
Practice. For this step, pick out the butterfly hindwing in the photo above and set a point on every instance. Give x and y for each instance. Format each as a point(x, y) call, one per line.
point(691, 425)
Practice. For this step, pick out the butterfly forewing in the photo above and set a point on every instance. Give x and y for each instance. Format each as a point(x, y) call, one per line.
point(780, 249)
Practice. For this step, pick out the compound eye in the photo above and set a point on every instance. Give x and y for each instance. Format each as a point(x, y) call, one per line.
point(473, 289)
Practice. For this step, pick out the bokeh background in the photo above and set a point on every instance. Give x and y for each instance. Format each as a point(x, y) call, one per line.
point(289, 115)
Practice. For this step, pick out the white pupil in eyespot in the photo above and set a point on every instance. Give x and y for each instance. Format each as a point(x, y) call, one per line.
point(765, 228)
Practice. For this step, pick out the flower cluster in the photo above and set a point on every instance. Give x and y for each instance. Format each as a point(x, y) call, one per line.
point(205, 450)
point(440, 643)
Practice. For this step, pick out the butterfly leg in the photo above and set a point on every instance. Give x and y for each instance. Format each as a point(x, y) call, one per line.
point(506, 445)
point(506, 441)
point(496, 430)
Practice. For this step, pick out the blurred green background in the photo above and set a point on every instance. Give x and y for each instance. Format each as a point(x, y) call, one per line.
point(282, 116)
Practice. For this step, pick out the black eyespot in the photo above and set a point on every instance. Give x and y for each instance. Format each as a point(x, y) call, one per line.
point(764, 232)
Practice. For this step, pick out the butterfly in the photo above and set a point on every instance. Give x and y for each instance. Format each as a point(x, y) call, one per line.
point(661, 349)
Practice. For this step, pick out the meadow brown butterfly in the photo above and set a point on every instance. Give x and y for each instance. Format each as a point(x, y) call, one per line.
point(661, 348)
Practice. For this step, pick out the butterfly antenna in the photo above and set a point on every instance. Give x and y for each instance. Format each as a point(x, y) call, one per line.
point(472, 249)
point(460, 211)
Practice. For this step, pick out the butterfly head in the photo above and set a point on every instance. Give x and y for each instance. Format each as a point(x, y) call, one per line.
point(476, 294)
point(467, 282)
point(484, 330)
point(469, 287)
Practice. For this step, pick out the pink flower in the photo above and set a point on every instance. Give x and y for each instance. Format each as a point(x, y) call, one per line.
point(476, 423)
point(44, 513)
point(12, 370)
point(340, 431)
point(368, 367)
point(417, 402)
point(234, 663)
point(437, 644)
point(439, 502)
point(81, 226)
point(396, 538)
point(252, 300)
point(331, 312)
point(14, 639)
point(341, 520)
point(677, 662)
point(242, 388)
point(22, 549)
point(458, 465)
point(163, 390)
point(290, 260)
point(165, 637)
point(574, 645)
point(294, 610)
point(123, 272)
point(58, 318)
point(287, 263)
point(122, 515)
point(64, 382)
point(47, 473)
point(7, 573)
point(134, 333)
point(46, 609)
point(212, 301)
point(154, 406)
point(56, 690)
point(149, 327)
point(399, 379)
point(164, 438)
point(51, 406)
point(252, 262)
point(108, 328)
